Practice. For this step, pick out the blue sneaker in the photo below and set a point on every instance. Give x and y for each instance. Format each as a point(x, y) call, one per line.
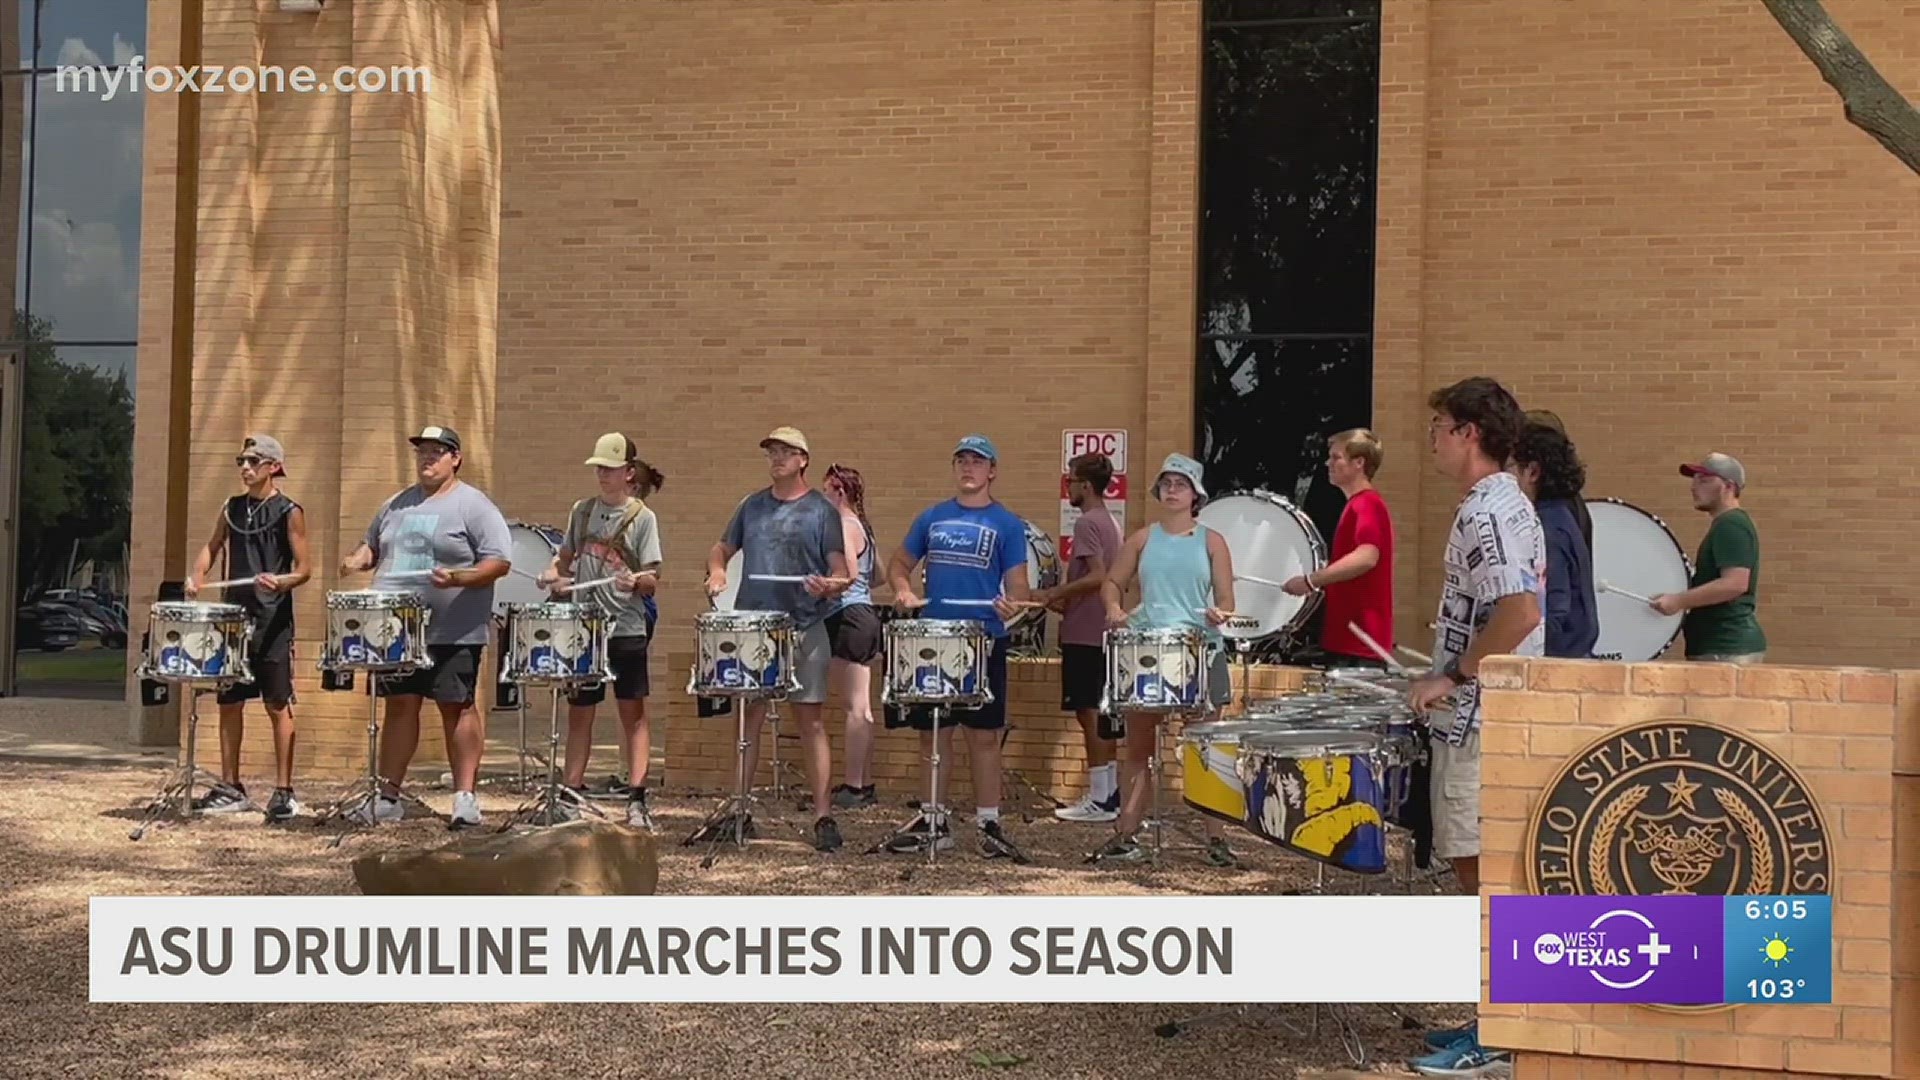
point(1446, 1038)
point(1464, 1060)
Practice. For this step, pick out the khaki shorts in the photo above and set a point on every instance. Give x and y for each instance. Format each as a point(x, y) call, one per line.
point(1455, 797)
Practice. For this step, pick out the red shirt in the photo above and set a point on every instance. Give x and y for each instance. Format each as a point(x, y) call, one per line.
point(1367, 600)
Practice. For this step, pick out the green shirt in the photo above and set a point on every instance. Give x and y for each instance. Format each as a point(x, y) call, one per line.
point(1729, 629)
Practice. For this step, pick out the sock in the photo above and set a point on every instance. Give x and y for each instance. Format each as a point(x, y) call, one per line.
point(988, 814)
point(1102, 782)
point(637, 794)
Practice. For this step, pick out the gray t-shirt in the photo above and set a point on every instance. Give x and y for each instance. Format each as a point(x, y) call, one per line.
point(455, 529)
point(595, 555)
point(784, 539)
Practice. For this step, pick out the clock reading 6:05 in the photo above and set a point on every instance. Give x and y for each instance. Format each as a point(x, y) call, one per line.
point(1779, 908)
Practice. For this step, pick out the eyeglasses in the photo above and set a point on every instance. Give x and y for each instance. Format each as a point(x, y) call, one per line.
point(248, 461)
point(778, 451)
point(1438, 422)
point(430, 451)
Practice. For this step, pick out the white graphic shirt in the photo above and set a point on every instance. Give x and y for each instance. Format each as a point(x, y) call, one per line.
point(1495, 549)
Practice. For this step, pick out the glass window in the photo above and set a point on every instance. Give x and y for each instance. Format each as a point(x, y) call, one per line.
point(83, 275)
point(16, 50)
point(108, 32)
point(14, 93)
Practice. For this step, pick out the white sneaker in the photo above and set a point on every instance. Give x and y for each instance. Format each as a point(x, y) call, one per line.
point(466, 810)
point(1088, 810)
point(383, 809)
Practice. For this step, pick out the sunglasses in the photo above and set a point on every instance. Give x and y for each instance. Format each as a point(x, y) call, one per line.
point(249, 461)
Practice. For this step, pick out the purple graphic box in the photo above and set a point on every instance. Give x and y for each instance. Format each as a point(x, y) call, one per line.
point(1664, 950)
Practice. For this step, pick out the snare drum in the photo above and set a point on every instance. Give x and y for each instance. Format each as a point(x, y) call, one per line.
point(557, 643)
point(376, 630)
point(744, 654)
point(937, 662)
point(1319, 794)
point(1157, 671)
point(197, 643)
point(1210, 766)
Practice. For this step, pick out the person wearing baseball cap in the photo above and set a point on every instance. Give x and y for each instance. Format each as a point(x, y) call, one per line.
point(793, 559)
point(613, 536)
point(1185, 573)
point(442, 538)
point(975, 551)
point(1720, 607)
point(264, 536)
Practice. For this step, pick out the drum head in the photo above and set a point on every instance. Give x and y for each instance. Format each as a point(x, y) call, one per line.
point(1304, 744)
point(736, 568)
point(1043, 571)
point(1272, 540)
point(534, 547)
point(1635, 551)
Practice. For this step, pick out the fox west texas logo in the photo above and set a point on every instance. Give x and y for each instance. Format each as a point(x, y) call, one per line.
point(1678, 807)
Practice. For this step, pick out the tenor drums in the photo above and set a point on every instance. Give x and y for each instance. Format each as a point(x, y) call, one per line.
point(197, 643)
point(1210, 766)
point(1635, 551)
point(1157, 671)
point(1270, 540)
point(1028, 628)
point(375, 630)
point(744, 654)
point(1320, 794)
point(557, 643)
point(534, 547)
point(937, 662)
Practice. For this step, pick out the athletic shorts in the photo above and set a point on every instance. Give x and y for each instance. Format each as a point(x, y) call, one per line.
point(989, 717)
point(627, 660)
point(1083, 677)
point(450, 681)
point(854, 631)
point(272, 666)
point(1455, 797)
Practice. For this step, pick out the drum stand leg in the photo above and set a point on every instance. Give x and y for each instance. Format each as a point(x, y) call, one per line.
point(544, 808)
point(176, 792)
point(732, 819)
point(931, 811)
point(356, 805)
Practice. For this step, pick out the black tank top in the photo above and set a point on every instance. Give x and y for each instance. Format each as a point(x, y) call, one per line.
point(259, 541)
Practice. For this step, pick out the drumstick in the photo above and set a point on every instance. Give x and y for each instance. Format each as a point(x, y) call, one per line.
point(1354, 680)
point(990, 603)
point(1420, 656)
point(228, 584)
point(584, 584)
point(1607, 587)
point(794, 579)
point(1374, 646)
point(1258, 580)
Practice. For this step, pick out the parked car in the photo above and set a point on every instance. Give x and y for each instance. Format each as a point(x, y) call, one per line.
point(47, 627)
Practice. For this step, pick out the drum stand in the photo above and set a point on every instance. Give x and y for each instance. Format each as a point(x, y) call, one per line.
point(931, 810)
point(544, 807)
point(176, 792)
point(1155, 818)
point(357, 805)
point(729, 819)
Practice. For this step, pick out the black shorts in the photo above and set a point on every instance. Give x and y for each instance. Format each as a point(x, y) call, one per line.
point(627, 659)
point(1083, 677)
point(450, 681)
point(855, 633)
point(272, 665)
point(989, 717)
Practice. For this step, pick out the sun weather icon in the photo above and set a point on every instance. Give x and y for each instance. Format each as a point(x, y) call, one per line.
point(1777, 951)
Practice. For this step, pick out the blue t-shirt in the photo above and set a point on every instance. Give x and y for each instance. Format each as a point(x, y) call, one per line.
point(968, 552)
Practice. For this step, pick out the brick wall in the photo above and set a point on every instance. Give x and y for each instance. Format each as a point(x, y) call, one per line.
point(1045, 745)
point(1852, 734)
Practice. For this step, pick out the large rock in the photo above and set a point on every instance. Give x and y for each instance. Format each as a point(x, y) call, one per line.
point(580, 858)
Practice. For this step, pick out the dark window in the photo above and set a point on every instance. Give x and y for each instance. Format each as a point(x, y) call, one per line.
point(1290, 113)
point(83, 270)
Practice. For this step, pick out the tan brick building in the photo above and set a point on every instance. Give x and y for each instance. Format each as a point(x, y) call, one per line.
point(894, 223)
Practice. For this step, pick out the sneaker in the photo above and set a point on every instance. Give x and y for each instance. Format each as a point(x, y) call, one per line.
point(1219, 854)
point(826, 835)
point(382, 809)
point(848, 797)
point(914, 837)
point(282, 806)
point(466, 810)
point(1446, 1038)
point(995, 844)
point(223, 799)
point(1089, 810)
point(1119, 851)
point(638, 815)
point(613, 789)
point(1467, 1059)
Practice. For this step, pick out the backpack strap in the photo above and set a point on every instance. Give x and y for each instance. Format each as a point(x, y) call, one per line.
point(616, 536)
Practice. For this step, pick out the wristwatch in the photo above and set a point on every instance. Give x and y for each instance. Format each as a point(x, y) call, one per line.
point(1454, 673)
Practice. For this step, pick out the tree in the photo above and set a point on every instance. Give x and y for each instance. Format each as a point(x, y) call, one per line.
point(76, 460)
point(1871, 102)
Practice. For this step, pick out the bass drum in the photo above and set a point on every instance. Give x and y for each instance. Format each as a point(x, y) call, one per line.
point(1027, 631)
point(534, 547)
point(1635, 551)
point(1271, 540)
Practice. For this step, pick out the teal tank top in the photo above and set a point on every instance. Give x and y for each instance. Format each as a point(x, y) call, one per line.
point(861, 592)
point(1176, 582)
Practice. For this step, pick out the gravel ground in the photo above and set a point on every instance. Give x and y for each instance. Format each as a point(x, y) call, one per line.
point(63, 838)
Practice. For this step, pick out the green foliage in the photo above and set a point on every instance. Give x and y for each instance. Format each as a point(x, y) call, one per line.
point(76, 460)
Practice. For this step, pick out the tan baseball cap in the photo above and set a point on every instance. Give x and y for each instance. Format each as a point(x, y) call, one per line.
point(790, 436)
point(612, 451)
